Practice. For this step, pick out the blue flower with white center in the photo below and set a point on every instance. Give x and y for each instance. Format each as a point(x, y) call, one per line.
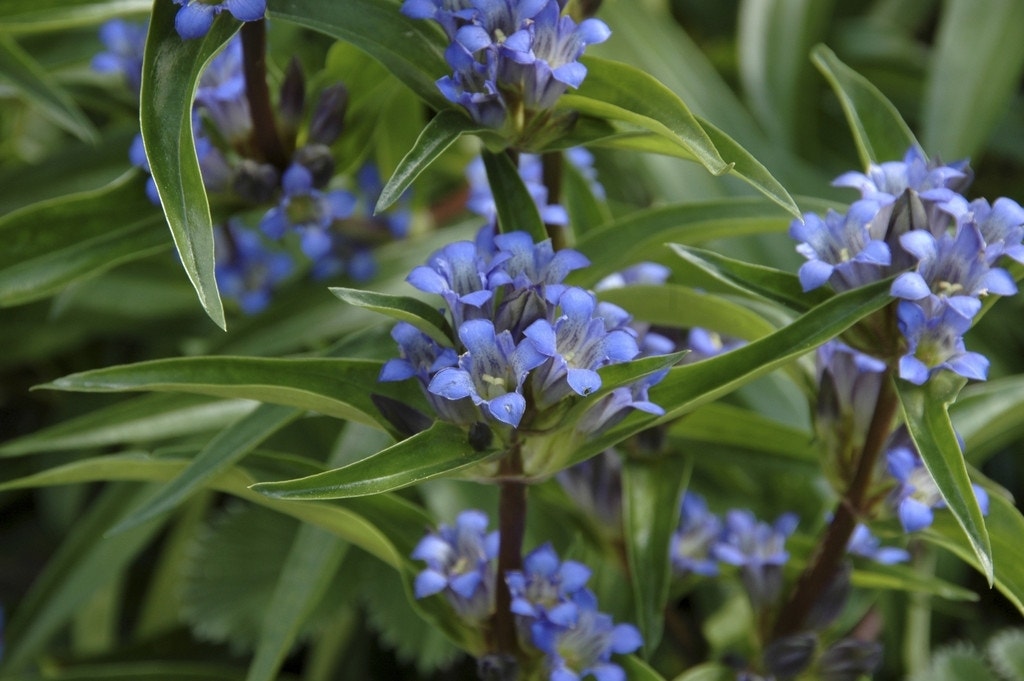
point(221, 93)
point(457, 273)
point(461, 564)
point(697, 532)
point(916, 494)
point(420, 356)
point(863, 543)
point(246, 269)
point(758, 549)
point(577, 344)
point(1001, 225)
point(491, 372)
point(548, 590)
point(885, 182)
point(840, 249)
point(540, 60)
point(950, 267)
point(125, 43)
point(307, 211)
point(935, 340)
point(524, 263)
point(195, 17)
point(584, 649)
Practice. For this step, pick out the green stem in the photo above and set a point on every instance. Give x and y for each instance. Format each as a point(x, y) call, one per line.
point(551, 164)
point(265, 140)
point(831, 550)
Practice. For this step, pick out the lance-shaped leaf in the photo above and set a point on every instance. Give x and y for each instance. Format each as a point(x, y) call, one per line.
point(170, 74)
point(412, 50)
point(638, 670)
point(765, 282)
point(987, 416)
point(443, 450)
point(517, 211)
point(37, 86)
point(651, 490)
point(421, 315)
point(878, 129)
point(439, 134)
point(336, 387)
point(1006, 527)
point(34, 16)
point(925, 412)
point(85, 234)
point(144, 419)
point(227, 448)
point(687, 387)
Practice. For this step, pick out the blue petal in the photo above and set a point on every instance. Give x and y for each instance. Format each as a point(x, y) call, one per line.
point(914, 370)
point(542, 335)
point(572, 74)
point(247, 10)
point(970, 365)
point(466, 585)
point(428, 583)
point(593, 31)
point(564, 614)
point(814, 273)
point(315, 243)
point(508, 408)
point(910, 286)
point(427, 280)
point(396, 370)
point(542, 561)
point(274, 223)
point(583, 381)
point(574, 575)
point(914, 515)
point(606, 671)
point(453, 384)
point(473, 38)
point(193, 20)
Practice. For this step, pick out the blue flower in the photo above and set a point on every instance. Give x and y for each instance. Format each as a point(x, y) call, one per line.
point(885, 182)
point(491, 372)
point(584, 648)
point(421, 356)
point(1001, 225)
point(460, 563)
point(246, 269)
point(451, 14)
point(697, 532)
point(457, 273)
point(125, 43)
point(644, 273)
point(840, 248)
point(481, 200)
point(704, 344)
point(577, 344)
point(196, 16)
point(221, 93)
point(935, 341)
point(916, 494)
point(549, 591)
point(308, 211)
point(758, 549)
point(863, 543)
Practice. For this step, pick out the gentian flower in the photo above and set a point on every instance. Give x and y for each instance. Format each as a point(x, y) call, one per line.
point(125, 43)
point(195, 17)
point(840, 249)
point(863, 543)
point(421, 355)
point(221, 93)
point(246, 269)
point(491, 372)
point(461, 564)
point(704, 344)
point(698, 531)
point(885, 182)
point(584, 648)
point(1001, 224)
point(548, 590)
point(758, 549)
point(451, 14)
point(308, 211)
point(936, 341)
point(457, 273)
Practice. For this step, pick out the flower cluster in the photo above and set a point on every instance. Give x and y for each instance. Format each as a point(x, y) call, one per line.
point(510, 58)
point(524, 339)
point(195, 17)
point(299, 197)
point(911, 219)
point(556, 613)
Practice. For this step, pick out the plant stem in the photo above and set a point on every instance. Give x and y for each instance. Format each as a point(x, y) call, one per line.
point(512, 527)
point(266, 141)
point(551, 165)
point(832, 548)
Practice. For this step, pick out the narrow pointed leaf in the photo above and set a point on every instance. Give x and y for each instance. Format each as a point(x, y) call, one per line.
point(85, 234)
point(517, 211)
point(441, 451)
point(638, 670)
point(170, 74)
point(652, 489)
point(421, 315)
point(878, 129)
point(334, 387)
point(987, 416)
point(411, 49)
point(227, 448)
point(37, 86)
point(925, 412)
point(765, 282)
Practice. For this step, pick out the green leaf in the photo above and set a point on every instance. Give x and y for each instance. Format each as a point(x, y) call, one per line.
point(517, 211)
point(85, 234)
point(223, 451)
point(439, 134)
point(878, 129)
point(765, 282)
point(38, 87)
point(335, 387)
point(925, 412)
point(710, 671)
point(638, 670)
point(652, 489)
point(144, 419)
point(170, 74)
point(421, 315)
point(977, 48)
point(987, 416)
point(440, 451)
point(155, 670)
point(31, 16)
point(876, 576)
point(687, 387)
point(411, 49)
point(586, 211)
point(724, 424)
point(84, 563)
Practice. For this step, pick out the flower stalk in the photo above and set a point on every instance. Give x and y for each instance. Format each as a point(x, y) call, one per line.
point(265, 140)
